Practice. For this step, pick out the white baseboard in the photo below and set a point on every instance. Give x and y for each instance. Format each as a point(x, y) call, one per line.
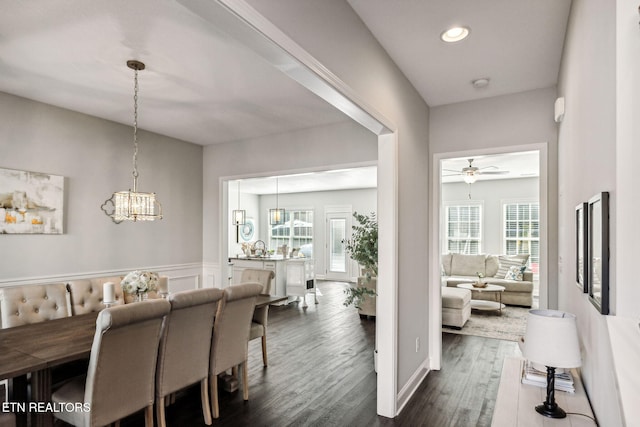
point(412, 385)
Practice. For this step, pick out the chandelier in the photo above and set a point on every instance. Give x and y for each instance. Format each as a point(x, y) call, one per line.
point(133, 205)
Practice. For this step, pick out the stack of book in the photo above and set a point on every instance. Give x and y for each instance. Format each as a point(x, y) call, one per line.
point(532, 376)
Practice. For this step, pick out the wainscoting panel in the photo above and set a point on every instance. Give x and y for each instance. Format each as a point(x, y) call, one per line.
point(181, 276)
point(213, 275)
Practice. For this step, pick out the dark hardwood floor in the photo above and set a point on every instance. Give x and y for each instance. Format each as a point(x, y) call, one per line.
point(321, 373)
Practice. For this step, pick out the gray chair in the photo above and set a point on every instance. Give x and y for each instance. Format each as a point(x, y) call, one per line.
point(121, 376)
point(22, 305)
point(260, 315)
point(87, 294)
point(230, 344)
point(185, 346)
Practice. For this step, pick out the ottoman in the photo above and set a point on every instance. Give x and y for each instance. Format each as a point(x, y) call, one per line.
point(456, 307)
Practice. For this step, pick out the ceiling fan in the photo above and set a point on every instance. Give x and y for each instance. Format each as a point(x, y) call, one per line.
point(470, 173)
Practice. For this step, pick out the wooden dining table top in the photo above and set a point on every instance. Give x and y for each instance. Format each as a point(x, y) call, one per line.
point(36, 346)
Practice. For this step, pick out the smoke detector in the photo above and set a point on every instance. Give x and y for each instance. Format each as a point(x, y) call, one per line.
point(480, 83)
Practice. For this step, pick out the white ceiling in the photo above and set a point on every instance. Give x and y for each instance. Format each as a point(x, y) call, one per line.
point(516, 44)
point(203, 86)
point(200, 85)
point(337, 179)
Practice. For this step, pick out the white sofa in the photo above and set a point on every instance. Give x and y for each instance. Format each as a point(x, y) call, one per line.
point(459, 268)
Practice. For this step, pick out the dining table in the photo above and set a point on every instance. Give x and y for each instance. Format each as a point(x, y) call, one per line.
point(37, 348)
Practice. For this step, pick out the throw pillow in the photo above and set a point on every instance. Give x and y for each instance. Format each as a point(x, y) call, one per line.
point(515, 273)
point(507, 261)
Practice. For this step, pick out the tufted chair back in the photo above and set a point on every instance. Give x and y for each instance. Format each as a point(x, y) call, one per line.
point(185, 346)
point(22, 305)
point(121, 375)
point(87, 294)
point(229, 347)
point(264, 277)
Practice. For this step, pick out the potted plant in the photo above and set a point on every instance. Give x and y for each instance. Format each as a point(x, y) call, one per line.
point(363, 248)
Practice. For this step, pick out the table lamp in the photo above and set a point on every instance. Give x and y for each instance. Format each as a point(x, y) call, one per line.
point(552, 340)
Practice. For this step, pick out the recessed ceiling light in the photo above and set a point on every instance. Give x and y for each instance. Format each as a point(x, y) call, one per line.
point(454, 34)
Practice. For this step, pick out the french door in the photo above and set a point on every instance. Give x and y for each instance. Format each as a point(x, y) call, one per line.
point(337, 261)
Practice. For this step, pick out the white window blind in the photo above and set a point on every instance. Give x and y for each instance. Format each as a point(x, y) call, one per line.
point(522, 231)
point(464, 229)
point(296, 232)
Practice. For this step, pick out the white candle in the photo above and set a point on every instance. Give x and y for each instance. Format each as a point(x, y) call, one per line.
point(109, 292)
point(163, 285)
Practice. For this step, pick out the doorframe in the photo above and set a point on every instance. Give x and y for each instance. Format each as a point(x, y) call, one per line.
point(435, 241)
point(268, 41)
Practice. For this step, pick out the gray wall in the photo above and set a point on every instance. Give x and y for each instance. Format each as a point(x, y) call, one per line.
point(492, 194)
point(94, 156)
point(588, 165)
point(334, 34)
point(320, 147)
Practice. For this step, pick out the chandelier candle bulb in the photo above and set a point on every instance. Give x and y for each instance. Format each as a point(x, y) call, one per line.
point(109, 293)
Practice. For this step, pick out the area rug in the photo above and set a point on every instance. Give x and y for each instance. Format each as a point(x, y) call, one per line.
point(510, 326)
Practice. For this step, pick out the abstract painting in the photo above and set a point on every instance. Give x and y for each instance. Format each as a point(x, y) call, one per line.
point(31, 202)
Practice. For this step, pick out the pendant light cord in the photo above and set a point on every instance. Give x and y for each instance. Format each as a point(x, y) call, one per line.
point(135, 131)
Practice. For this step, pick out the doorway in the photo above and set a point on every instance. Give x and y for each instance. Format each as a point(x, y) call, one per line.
point(470, 193)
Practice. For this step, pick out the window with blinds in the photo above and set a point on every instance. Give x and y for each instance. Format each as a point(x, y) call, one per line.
point(464, 229)
point(296, 232)
point(522, 231)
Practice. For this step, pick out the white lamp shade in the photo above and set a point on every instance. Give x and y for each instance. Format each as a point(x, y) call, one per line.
point(239, 216)
point(552, 339)
point(276, 216)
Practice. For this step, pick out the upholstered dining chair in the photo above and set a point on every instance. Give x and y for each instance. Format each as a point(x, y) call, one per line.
point(230, 344)
point(260, 315)
point(87, 294)
point(185, 346)
point(21, 305)
point(122, 366)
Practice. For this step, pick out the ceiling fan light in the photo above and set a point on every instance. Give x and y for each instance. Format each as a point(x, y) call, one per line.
point(470, 178)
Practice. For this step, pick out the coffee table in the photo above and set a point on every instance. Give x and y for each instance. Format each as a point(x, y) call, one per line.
point(478, 304)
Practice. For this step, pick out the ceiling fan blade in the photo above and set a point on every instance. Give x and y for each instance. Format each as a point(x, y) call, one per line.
point(451, 174)
point(451, 170)
point(493, 172)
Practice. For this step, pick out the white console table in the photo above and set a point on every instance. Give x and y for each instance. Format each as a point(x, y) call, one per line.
point(516, 402)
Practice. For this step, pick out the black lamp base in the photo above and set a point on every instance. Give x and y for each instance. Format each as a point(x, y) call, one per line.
point(551, 411)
